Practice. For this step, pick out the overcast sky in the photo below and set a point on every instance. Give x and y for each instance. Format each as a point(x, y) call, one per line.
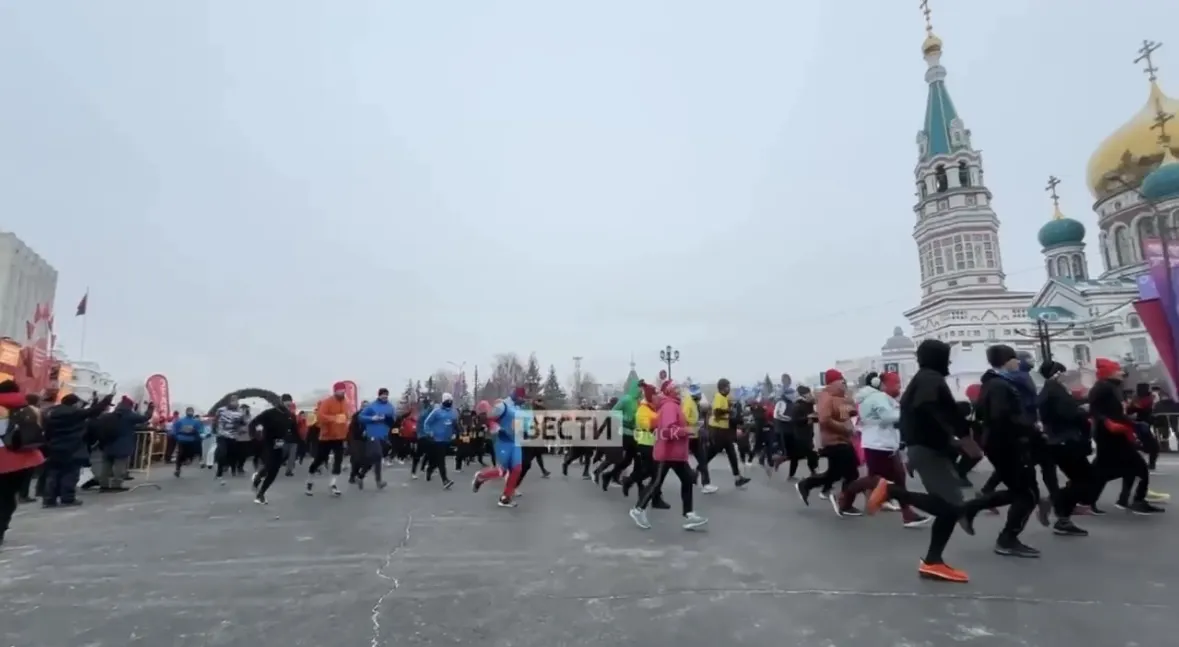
point(283, 193)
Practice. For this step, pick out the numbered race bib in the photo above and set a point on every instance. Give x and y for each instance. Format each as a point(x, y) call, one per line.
point(279, 443)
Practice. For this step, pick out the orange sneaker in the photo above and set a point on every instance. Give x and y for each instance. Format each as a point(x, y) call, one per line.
point(942, 572)
point(878, 497)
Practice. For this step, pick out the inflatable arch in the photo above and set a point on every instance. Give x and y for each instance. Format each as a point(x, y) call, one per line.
point(244, 394)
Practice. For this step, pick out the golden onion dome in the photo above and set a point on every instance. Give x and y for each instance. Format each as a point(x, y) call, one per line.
point(1132, 151)
point(931, 44)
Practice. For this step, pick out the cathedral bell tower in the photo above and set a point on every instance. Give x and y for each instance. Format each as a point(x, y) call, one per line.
point(956, 231)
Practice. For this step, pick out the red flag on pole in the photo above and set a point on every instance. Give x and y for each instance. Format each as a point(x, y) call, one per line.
point(82, 305)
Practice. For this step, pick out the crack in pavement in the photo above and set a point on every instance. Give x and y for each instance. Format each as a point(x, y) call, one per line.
point(394, 582)
point(779, 593)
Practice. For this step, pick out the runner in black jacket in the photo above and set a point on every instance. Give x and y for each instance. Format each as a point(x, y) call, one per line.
point(278, 426)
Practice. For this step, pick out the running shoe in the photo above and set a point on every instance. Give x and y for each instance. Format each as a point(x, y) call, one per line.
point(918, 522)
point(336, 491)
point(1157, 497)
point(693, 521)
point(506, 502)
point(260, 499)
point(447, 485)
point(943, 572)
point(710, 489)
point(640, 518)
point(476, 483)
point(803, 493)
point(878, 497)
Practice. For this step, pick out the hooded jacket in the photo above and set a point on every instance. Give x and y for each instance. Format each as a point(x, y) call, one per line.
point(1064, 421)
point(671, 445)
point(1002, 410)
point(879, 415)
point(628, 405)
point(929, 413)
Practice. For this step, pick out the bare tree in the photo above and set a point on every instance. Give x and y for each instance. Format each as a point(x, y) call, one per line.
point(443, 381)
point(506, 374)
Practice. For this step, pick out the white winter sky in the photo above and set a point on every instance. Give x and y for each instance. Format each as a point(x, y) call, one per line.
point(283, 193)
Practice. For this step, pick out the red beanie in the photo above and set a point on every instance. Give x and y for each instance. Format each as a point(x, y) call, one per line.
point(649, 392)
point(338, 387)
point(519, 393)
point(1107, 368)
point(831, 376)
point(127, 402)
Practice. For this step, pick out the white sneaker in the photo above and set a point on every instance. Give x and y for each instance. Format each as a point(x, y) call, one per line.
point(890, 506)
point(710, 489)
point(413, 476)
point(693, 521)
point(917, 523)
point(640, 518)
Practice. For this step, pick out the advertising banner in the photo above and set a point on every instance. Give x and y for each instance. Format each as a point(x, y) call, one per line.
point(1151, 313)
point(159, 394)
point(351, 396)
point(1162, 274)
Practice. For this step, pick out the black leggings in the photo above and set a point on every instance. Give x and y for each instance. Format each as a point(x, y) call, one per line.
point(272, 462)
point(682, 471)
point(532, 454)
point(10, 485)
point(421, 455)
point(1072, 460)
point(720, 440)
point(438, 453)
point(325, 449)
point(578, 453)
point(630, 453)
point(842, 466)
point(1120, 462)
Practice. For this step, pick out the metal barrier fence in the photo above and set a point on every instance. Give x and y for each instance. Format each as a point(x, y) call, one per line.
point(150, 446)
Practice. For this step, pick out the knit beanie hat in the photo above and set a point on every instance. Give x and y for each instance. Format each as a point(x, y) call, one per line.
point(1000, 354)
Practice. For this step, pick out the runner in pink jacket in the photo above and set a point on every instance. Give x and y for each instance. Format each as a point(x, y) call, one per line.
point(671, 455)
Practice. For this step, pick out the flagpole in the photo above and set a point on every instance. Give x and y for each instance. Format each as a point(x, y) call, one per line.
point(82, 344)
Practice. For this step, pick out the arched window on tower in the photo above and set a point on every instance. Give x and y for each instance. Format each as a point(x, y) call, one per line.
point(1051, 269)
point(1122, 253)
point(1145, 232)
point(1078, 267)
point(1103, 243)
point(940, 177)
point(963, 174)
point(923, 188)
point(1062, 267)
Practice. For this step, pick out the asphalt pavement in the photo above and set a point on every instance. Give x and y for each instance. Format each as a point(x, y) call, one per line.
point(193, 564)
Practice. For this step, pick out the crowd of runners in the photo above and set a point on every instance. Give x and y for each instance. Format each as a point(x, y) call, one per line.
point(871, 438)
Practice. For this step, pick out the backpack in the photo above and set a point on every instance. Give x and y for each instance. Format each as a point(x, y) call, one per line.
point(23, 430)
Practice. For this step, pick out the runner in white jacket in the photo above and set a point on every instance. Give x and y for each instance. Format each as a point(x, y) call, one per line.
point(880, 438)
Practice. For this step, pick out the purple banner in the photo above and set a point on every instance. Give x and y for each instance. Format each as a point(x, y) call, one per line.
point(1158, 276)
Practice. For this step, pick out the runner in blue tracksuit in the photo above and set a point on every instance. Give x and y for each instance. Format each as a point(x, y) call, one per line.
point(376, 418)
point(441, 425)
point(503, 417)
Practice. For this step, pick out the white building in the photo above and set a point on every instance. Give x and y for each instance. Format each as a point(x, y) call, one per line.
point(965, 300)
point(27, 283)
point(89, 379)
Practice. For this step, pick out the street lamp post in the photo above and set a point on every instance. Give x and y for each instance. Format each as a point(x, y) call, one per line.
point(461, 371)
point(669, 356)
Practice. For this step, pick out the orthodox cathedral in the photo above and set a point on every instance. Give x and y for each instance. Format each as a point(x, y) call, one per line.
point(1134, 179)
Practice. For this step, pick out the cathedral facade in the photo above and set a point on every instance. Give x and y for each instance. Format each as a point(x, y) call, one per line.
point(964, 297)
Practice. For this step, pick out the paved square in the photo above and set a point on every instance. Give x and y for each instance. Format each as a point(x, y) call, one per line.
point(197, 565)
